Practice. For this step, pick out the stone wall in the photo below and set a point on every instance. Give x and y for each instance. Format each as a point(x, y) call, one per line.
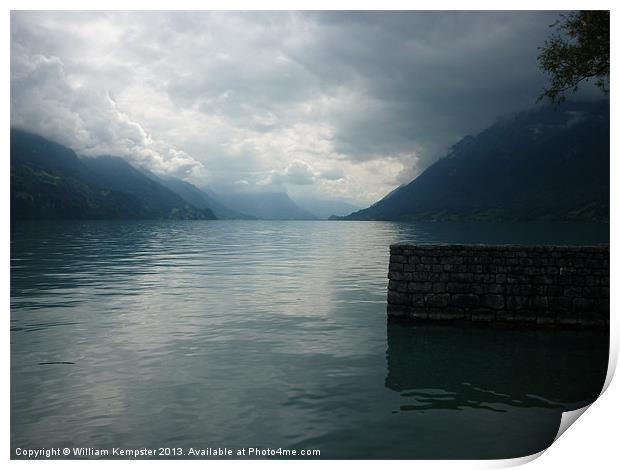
point(562, 285)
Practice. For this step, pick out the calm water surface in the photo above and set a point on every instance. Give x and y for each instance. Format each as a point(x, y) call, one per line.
point(273, 334)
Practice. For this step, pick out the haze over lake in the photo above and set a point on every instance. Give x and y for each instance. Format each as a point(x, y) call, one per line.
point(273, 334)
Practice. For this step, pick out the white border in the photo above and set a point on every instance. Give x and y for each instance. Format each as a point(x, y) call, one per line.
point(591, 442)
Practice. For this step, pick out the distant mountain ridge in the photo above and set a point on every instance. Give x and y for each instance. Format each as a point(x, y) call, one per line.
point(200, 198)
point(544, 164)
point(49, 181)
point(238, 206)
point(267, 205)
point(324, 208)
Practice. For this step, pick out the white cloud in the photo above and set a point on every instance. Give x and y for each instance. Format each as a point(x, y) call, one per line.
point(298, 173)
point(336, 104)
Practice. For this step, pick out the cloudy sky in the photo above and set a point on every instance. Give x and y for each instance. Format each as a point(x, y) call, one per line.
point(342, 105)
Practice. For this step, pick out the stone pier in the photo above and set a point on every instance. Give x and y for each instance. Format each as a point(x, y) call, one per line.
point(544, 285)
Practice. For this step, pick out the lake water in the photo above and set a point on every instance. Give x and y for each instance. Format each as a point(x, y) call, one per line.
point(257, 334)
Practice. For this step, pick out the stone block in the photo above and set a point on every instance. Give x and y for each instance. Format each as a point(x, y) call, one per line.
point(542, 284)
point(439, 287)
point(496, 288)
point(525, 316)
point(399, 259)
point(601, 305)
point(398, 298)
point(591, 318)
point(462, 277)
point(395, 267)
point(397, 311)
point(480, 289)
point(398, 286)
point(542, 279)
point(413, 259)
point(400, 276)
point(483, 315)
point(421, 276)
point(517, 302)
point(396, 249)
point(419, 314)
point(539, 302)
point(554, 291)
point(464, 300)
point(594, 263)
point(496, 302)
point(545, 319)
point(504, 315)
point(420, 287)
point(485, 278)
point(595, 292)
point(560, 304)
point(572, 291)
point(583, 305)
point(410, 268)
point(567, 320)
point(437, 300)
point(458, 288)
point(450, 314)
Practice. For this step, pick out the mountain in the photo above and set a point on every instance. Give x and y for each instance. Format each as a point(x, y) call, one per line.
point(324, 208)
point(269, 205)
point(197, 197)
point(550, 163)
point(49, 181)
point(115, 173)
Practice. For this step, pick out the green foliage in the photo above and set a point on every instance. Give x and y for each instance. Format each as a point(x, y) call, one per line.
point(577, 52)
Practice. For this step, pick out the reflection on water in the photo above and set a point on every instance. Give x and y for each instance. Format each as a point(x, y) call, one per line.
point(493, 373)
point(272, 334)
point(436, 367)
point(496, 365)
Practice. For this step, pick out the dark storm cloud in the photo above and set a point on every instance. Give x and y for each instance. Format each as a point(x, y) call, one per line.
point(425, 79)
point(347, 104)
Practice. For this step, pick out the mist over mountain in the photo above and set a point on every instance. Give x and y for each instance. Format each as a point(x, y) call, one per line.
point(325, 208)
point(49, 181)
point(268, 205)
point(200, 198)
point(251, 206)
point(549, 163)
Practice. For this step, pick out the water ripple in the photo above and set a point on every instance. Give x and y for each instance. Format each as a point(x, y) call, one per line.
point(268, 334)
